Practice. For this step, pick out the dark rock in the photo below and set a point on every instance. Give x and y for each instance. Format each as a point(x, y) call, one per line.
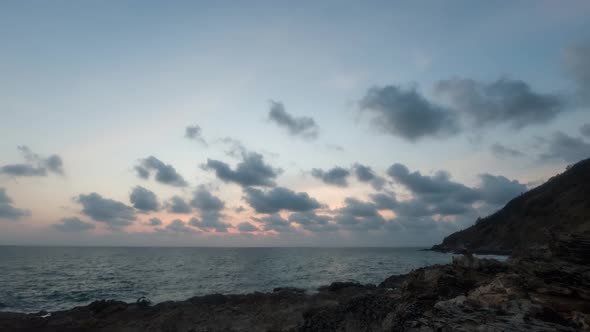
point(340, 285)
point(288, 290)
point(394, 281)
point(214, 299)
point(107, 306)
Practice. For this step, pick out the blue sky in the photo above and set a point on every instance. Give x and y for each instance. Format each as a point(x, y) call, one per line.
point(105, 85)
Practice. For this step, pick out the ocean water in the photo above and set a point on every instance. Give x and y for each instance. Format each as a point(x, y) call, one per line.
point(57, 278)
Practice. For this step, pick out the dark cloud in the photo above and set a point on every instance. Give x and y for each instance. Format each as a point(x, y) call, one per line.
point(195, 133)
point(35, 165)
point(585, 130)
point(439, 195)
point(210, 222)
point(177, 204)
point(246, 227)
point(336, 176)
point(418, 224)
point(23, 170)
point(297, 126)
point(251, 171)
point(385, 201)
point(210, 208)
point(54, 164)
point(142, 172)
point(275, 223)
point(504, 101)
point(165, 174)
point(407, 114)
point(497, 189)
point(359, 216)
point(179, 226)
point(113, 213)
point(366, 174)
point(357, 208)
point(419, 207)
point(504, 152)
point(578, 67)
point(7, 211)
point(278, 199)
point(313, 222)
point(73, 224)
point(432, 187)
point(416, 210)
point(144, 199)
point(154, 222)
point(564, 147)
point(205, 201)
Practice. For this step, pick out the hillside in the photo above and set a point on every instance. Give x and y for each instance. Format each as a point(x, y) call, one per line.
point(560, 205)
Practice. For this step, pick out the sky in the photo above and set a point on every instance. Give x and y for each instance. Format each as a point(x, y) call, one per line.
point(310, 123)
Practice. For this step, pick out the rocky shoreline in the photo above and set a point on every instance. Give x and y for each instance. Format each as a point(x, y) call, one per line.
point(545, 290)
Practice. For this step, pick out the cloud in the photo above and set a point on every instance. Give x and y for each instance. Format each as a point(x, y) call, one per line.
point(432, 187)
point(154, 222)
point(313, 222)
point(177, 204)
point(210, 208)
point(210, 221)
point(565, 147)
point(22, 170)
point(497, 189)
point(143, 199)
point(73, 224)
point(359, 216)
point(195, 133)
point(385, 201)
point(179, 226)
point(275, 222)
point(165, 174)
point(54, 164)
point(577, 60)
point(503, 152)
point(366, 174)
point(113, 213)
point(278, 199)
point(304, 127)
point(407, 114)
point(508, 101)
point(336, 176)
point(585, 130)
point(236, 148)
point(35, 165)
point(438, 195)
point(251, 171)
point(246, 227)
point(205, 201)
point(7, 211)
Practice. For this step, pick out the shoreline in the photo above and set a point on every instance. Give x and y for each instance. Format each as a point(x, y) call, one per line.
point(470, 293)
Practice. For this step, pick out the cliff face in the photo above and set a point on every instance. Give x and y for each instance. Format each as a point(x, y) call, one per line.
point(561, 205)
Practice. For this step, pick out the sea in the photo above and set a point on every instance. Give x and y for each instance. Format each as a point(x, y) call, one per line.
point(36, 279)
